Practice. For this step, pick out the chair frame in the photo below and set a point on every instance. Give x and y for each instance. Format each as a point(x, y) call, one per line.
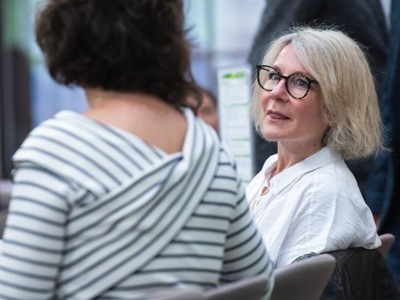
point(252, 288)
point(304, 279)
point(387, 240)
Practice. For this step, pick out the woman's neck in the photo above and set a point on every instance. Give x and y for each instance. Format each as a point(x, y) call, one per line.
point(288, 157)
point(146, 116)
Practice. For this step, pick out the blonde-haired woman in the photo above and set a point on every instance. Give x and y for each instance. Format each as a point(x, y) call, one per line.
point(315, 97)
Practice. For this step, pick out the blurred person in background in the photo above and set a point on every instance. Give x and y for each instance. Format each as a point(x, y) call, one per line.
point(208, 110)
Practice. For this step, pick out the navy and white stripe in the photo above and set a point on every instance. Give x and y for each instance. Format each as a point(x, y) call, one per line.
point(98, 213)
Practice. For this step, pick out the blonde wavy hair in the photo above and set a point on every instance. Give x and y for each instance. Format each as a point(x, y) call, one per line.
point(350, 103)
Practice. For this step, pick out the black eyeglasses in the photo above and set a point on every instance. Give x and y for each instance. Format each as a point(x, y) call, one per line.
point(297, 85)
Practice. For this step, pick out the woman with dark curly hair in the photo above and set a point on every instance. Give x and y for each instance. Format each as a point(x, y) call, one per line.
point(136, 195)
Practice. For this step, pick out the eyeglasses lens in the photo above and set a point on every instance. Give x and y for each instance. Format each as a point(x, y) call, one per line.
point(296, 85)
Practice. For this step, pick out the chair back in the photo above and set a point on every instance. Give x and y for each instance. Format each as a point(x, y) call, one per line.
point(246, 289)
point(178, 294)
point(304, 279)
point(387, 240)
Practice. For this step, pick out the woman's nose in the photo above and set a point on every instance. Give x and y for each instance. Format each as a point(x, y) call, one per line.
point(279, 91)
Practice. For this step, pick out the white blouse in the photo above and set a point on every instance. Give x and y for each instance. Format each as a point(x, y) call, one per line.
point(313, 206)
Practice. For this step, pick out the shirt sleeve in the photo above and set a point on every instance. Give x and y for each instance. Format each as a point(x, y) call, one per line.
point(245, 253)
point(34, 235)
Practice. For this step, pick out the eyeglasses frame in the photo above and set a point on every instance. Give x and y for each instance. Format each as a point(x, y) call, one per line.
point(262, 67)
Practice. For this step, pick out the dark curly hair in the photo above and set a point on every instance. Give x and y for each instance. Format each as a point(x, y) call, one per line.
point(120, 45)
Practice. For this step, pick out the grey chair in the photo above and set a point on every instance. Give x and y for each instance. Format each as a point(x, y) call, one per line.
point(177, 294)
point(251, 288)
point(246, 289)
point(305, 279)
point(387, 240)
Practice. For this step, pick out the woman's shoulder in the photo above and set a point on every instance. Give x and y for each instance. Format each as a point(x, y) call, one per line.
point(327, 169)
point(48, 129)
point(330, 184)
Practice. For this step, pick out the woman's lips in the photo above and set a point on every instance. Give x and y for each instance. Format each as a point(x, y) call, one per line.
point(274, 115)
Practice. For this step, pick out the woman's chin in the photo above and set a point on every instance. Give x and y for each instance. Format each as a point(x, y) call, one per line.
point(271, 136)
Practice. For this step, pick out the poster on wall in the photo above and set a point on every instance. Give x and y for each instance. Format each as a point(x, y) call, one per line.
point(234, 92)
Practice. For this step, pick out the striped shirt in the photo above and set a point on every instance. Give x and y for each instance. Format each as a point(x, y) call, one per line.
point(96, 212)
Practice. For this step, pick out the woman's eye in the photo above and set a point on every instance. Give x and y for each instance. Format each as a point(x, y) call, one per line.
point(274, 76)
point(300, 82)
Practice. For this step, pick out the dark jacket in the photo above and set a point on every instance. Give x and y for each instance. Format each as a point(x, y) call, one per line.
point(383, 194)
point(360, 274)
